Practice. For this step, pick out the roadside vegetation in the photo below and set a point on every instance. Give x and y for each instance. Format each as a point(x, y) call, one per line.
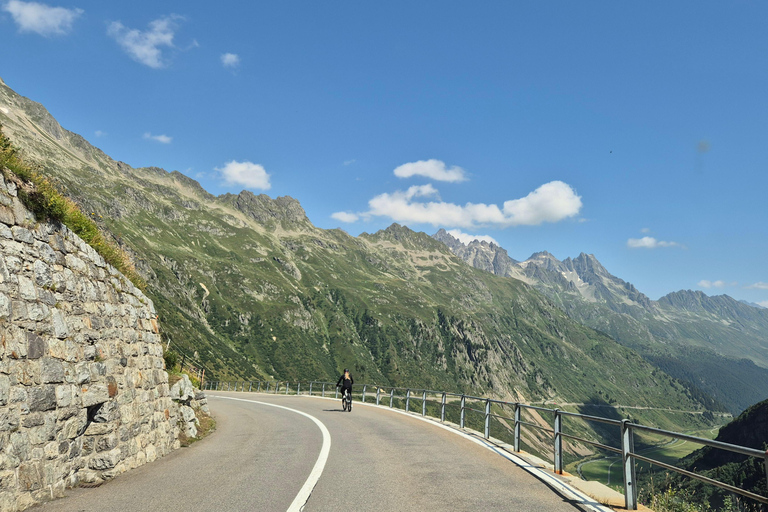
point(40, 195)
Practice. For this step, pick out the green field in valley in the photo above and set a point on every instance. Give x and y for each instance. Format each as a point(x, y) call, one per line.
point(607, 470)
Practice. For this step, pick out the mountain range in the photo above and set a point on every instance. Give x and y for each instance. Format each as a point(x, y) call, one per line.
point(248, 286)
point(716, 344)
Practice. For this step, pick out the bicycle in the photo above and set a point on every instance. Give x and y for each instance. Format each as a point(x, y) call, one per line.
point(346, 400)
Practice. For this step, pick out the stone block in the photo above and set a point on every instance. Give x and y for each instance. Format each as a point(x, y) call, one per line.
point(42, 398)
point(30, 476)
point(60, 327)
point(33, 419)
point(71, 428)
point(27, 288)
point(46, 254)
point(95, 394)
point(64, 395)
point(107, 442)
point(35, 346)
point(75, 263)
point(105, 460)
point(37, 311)
point(6, 217)
point(9, 420)
point(5, 389)
point(51, 370)
point(108, 412)
point(7, 483)
point(47, 297)
point(5, 306)
point(21, 234)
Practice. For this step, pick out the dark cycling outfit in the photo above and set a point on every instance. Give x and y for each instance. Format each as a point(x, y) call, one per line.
point(346, 384)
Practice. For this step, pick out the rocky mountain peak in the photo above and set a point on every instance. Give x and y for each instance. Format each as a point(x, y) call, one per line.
point(266, 210)
point(588, 264)
point(448, 239)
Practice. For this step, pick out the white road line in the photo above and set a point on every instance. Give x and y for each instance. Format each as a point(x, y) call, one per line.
point(301, 499)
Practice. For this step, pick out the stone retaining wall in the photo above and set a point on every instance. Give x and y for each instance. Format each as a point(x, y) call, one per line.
point(83, 391)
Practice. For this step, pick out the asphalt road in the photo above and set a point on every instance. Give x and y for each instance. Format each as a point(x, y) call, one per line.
point(261, 456)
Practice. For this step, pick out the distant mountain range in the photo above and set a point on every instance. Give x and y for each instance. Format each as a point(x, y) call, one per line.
point(716, 344)
point(250, 287)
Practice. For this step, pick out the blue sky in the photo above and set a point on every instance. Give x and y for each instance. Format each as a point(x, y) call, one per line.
point(634, 132)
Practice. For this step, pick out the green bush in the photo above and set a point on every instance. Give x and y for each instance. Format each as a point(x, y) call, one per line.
point(171, 359)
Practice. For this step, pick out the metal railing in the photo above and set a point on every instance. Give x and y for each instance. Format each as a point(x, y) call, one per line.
point(459, 406)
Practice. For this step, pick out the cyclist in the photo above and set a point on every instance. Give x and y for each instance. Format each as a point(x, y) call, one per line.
point(345, 381)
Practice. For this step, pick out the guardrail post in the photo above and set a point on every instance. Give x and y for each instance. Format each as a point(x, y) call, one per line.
point(517, 427)
point(258, 387)
point(250, 386)
point(287, 387)
point(228, 384)
point(487, 418)
point(364, 386)
point(298, 388)
point(442, 408)
point(407, 400)
point(558, 442)
point(310, 389)
point(337, 392)
point(277, 386)
point(323, 389)
point(463, 401)
point(765, 463)
point(391, 397)
point(424, 403)
point(378, 395)
point(630, 478)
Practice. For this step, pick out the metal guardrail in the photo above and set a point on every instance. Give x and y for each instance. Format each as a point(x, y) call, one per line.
point(443, 400)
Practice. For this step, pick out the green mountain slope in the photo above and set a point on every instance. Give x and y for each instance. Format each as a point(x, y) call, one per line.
point(250, 286)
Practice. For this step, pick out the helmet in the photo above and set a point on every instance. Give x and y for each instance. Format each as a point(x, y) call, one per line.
point(346, 370)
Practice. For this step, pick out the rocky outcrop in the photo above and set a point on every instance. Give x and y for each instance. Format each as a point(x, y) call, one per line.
point(83, 391)
point(189, 400)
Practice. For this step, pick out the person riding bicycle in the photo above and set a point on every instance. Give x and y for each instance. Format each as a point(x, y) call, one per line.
point(345, 381)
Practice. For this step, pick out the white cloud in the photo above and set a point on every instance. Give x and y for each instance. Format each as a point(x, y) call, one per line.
point(758, 286)
point(164, 139)
point(349, 162)
point(144, 46)
point(434, 169)
point(764, 303)
point(467, 238)
point(40, 18)
point(551, 202)
point(648, 242)
point(715, 284)
point(230, 60)
point(345, 217)
point(248, 174)
point(645, 230)
point(100, 133)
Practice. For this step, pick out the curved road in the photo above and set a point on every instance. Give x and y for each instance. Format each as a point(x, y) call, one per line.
point(261, 456)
